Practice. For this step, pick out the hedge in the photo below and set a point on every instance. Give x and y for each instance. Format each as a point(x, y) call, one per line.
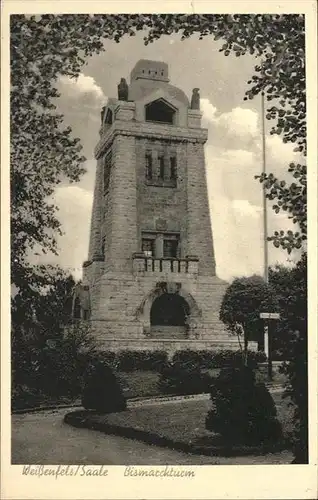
point(182, 379)
point(129, 361)
point(216, 359)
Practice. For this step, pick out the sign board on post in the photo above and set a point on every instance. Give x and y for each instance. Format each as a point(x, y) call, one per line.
point(267, 341)
point(269, 315)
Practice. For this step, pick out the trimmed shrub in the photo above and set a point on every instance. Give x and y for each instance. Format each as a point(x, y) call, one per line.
point(242, 411)
point(105, 357)
point(178, 378)
point(128, 361)
point(102, 391)
point(189, 358)
point(216, 359)
point(229, 358)
point(154, 361)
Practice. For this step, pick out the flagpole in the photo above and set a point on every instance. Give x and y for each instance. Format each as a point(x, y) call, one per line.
point(265, 234)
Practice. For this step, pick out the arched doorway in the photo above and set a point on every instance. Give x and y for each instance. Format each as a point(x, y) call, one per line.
point(169, 314)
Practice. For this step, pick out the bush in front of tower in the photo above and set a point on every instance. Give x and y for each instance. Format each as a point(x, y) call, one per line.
point(207, 359)
point(102, 391)
point(180, 378)
point(243, 412)
point(129, 361)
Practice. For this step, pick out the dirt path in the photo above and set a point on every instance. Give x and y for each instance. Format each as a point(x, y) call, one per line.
point(43, 438)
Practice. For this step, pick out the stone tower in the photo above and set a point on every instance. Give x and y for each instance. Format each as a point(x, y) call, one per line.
point(150, 273)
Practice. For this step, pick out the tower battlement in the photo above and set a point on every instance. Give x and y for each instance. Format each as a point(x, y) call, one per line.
point(150, 70)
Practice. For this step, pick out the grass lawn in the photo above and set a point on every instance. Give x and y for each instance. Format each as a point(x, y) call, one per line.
point(144, 383)
point(139, 384)
point(183, 421)
point(180, 423)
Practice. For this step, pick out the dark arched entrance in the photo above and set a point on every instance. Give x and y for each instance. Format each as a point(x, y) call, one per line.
point(169, 309)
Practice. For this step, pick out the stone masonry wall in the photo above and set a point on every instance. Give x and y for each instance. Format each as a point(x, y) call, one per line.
point(200, 240)
point(155, 204)
point(119, 305)
point(96, 218)
point(124, 207)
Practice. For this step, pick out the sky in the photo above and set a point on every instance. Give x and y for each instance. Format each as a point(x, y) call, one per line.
point(233, 151)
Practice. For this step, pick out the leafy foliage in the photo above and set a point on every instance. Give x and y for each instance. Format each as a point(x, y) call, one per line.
point(292, 199)
point(43, 152)
point(242, 411)
point(188, 372)
point(296, 368)
point(51, 369)
point(244, 300)
point(128, 361)
point(297, 390)
point(215, 359)
point(43, 310)
point(290, 290)
point(48, 352)
point(102, 391)
point(181, 378)
point(156, 361)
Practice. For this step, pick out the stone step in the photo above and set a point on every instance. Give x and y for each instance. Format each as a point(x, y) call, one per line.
point(167, 336)
point(168, 332)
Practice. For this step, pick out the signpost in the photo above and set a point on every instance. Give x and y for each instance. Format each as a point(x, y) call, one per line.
point(266, 316)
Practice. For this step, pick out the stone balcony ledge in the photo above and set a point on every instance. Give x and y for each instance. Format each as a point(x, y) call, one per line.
point(145, 264)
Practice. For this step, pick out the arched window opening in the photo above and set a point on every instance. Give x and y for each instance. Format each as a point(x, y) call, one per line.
point(170, 309)
point(160, 111)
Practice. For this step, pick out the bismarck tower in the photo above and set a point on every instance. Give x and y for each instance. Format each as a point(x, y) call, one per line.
point(150, 274)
